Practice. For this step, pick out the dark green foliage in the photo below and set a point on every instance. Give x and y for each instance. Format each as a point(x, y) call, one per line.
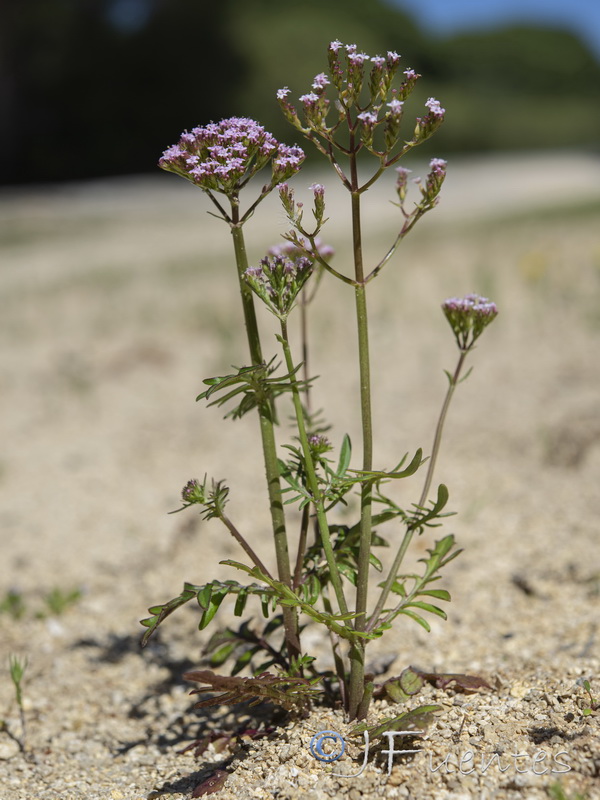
point(243, 645)
point(108, 99)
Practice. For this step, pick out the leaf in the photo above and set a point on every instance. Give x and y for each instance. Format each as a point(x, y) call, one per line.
point(399, 689)
point(428, 607)
point(397, 587)
point(281, 690)
point(437, 558)
point(440, 594)
point(424, 516)
point(417, 618)
point(209, 609)
point(210, 596)
point(161, 612)
point(345, 455)
point(417, 720)
point(221, 655)
point(468, 683)
point(287, 597)
point(370, 476)
point(213, 783)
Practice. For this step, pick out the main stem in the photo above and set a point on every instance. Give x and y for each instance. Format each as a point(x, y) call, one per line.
point(267, 433)
point(357, 651)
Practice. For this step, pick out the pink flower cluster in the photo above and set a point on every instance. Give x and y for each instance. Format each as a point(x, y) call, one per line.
point(468, 317)
point(222, 156)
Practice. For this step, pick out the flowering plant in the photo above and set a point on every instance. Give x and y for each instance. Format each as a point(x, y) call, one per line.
point(355, 107)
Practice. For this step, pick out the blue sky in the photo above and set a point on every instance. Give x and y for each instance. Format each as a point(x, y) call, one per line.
point(448, 16)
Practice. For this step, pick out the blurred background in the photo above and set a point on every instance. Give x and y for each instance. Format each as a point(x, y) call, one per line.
point(93, 88)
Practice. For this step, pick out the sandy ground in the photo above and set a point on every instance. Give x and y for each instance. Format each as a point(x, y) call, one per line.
point(117, 299)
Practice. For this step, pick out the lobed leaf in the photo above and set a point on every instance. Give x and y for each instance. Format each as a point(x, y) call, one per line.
point(281, 690)
point(209, 596)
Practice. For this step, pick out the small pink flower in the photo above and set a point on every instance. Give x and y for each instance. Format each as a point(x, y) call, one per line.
point(435, 108)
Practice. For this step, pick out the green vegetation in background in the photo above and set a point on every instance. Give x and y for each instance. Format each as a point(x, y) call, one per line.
point(107, 99)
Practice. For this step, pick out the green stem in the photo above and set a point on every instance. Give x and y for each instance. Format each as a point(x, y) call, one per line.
point(437, 439)
point(311, 476)
point(301, 547)
point(244, 544)
point(357, 652)
point(267, 435)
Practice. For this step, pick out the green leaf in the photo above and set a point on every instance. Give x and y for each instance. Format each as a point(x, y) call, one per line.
point(440, 594)
point(395, 473)
point(240, 603)
point(422, 622)
point(210, 596)
point(161, 612)
point(428, 607)
point(396, 587)
point(345, 455)
point(375, 562)
point(221, 655)
point(399, 689)
point(244, 660)
point(424, 516)
point(217, 596)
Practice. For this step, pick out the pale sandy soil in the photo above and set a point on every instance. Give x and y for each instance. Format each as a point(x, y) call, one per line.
point(117, 299)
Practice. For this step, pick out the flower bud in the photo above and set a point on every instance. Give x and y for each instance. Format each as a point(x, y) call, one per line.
point(377, 82)
point(278, 281)
point(393, 118)
point(401, 182)
point(368, 121)
point(319, 445)
point(289, 112)
point(356, 73)
point(434, 181)
point(193, 492)
point(428, 124)
point(291, 208)
point(318, 191)
point(408, 84)
point(335, 68)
